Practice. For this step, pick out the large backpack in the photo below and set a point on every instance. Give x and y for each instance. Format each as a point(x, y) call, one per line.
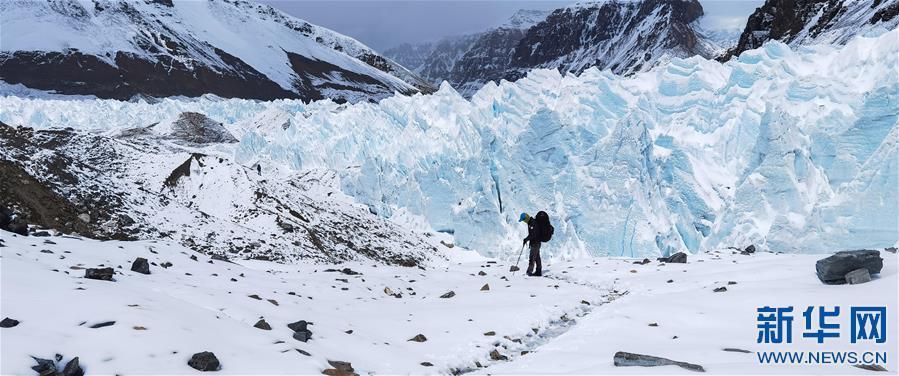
point(546, 229)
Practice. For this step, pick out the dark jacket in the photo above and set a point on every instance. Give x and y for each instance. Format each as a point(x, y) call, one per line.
point(533, 231)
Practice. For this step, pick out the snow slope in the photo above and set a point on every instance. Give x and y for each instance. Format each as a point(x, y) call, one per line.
point(791, 150)
point(231, 38)
point(569, 323)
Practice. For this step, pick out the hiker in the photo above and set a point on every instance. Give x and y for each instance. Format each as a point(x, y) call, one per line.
point(539, 230)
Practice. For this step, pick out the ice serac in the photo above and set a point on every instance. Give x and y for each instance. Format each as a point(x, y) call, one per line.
point(236, 49)
point(789, 150)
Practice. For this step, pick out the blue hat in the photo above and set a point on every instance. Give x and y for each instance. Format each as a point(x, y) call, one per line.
point(524, 217)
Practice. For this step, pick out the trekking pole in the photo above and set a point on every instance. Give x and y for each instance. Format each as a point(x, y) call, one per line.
point(515, 268)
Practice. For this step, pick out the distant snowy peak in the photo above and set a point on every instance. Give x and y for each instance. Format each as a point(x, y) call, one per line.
point(623, 36)
point(525, 18)
point(798, 22)
point(122, 48)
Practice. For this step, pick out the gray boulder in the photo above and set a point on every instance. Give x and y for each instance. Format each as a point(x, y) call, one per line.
point(204, 361)
point(833, 269)
point(858, 276)
point(103, 274)
point(8, 323)
point(626, 359)
point(141, 265)
point(677, 258)
point(73, 368)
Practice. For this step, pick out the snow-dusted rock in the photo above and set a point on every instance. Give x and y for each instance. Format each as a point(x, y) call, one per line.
point(834, 269)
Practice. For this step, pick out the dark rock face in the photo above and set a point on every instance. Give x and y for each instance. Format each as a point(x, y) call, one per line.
point(833, 269)
point(300, 331)
point(787, 21)
point(73, 368)
point(204, 361)
point(8, 323)
point(141, 265)
point(44, 367)
point(626, 359)
point(104, 274)
point(199, 129)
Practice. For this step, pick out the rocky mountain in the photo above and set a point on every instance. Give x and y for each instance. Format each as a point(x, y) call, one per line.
point(623, 36)
point(122, 48)
point(177, 181)
point(815, 21)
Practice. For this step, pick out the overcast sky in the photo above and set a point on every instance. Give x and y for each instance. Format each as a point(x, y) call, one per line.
point(384, 24)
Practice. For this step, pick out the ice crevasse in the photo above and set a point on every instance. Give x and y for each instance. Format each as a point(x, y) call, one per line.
point(790, 150)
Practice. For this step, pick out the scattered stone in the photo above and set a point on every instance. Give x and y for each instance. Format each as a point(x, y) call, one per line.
point(46, 251)
point(448, 295)
point(340, 369)
point(654, 324)
point(302, 336)
point(720, 289)
point(858, 276)
point(300, 330)
point(644, 262)
point(273, 301)
point(204, 361)
point(193, 257)
point(418, 338)
point(103, 274)
point(141, 265)
point(890, 249)
point(8, 323)
point(514, 268)
point(349, 331)
point(254, 296)
point(427, 364)
point(261, 324)
point(139, 328)
point(525, 352)
point(481, 273)
point(833, 269)
point(677, 258)
point(626, 359)
point(303, 352)
point(749, 250)
point(486, 287)
point(731, 349)
point(102, 324)
point(731, 282)
point(584, 302)
point(495, 355)
point(44, 367)
point(871, 367)
point(166, 265)
point(670, 281)
point(73, 368)
point(298, 326)
point(490, 333)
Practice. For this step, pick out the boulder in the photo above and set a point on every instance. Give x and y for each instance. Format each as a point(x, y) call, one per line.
point(103, 274)
point(626, 359)
point(302, 335)
point(204, 361)
point(748, 250)
point(833, 269)
point(141, 265)
point(858, 276)
point(298, 326)
point(677, 258)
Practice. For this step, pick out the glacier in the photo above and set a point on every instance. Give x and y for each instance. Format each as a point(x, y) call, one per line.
point(789, 149)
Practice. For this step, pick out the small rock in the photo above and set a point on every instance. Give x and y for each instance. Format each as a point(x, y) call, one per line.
point(418, 338)
point(139, 328)
point(103, 274)
point(584, 302)
point(486, 287)
point(654, 324)
point(626, 359)
point(720, 289)
point(302, 335)
point(298, 326)
point(858, 276)
point(73, 368)
point(261, 324)
point(166, 265)
point(749, 250)
point(490, 333)
point(427, 364)
point(890, 249)
point(193, 257)
point(731, 282)
point(514, 268)
point(8, 323)
point(254, 296)
point(448, 295)
point(644, 262)
point(677, 258)
point(481, 273)
point(44, 367)
point(303, 352)
point(340, 369)
point(273, 301)
point(871, 367)
point(102, 324)
point(495, 355)
point(141, 265)
point(670, 281)
point(204, 361)
point(349, 331)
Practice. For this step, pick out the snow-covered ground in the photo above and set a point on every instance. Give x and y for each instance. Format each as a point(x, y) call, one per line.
point(572, 321)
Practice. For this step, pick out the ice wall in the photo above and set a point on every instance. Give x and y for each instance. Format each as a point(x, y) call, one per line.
point(790, 150)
